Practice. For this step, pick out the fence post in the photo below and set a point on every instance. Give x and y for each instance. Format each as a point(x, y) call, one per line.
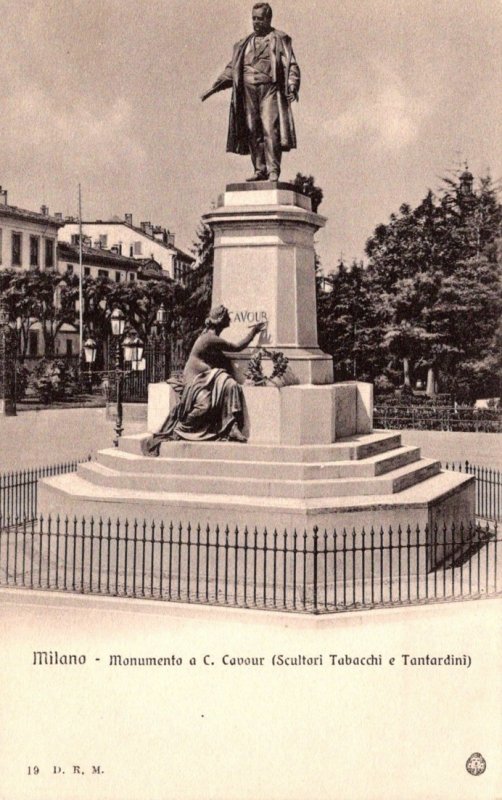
point(316, 532)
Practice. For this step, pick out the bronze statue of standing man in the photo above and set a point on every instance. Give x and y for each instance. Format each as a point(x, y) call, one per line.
point(265, 80)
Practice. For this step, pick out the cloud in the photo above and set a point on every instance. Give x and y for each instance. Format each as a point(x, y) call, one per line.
point(384, 111)
point(85, 132)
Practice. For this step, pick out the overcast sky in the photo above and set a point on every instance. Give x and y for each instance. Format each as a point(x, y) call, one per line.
point(394, 93)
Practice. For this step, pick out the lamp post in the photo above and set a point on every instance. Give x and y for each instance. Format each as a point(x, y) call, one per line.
point(118, 324)
point(162, 322)
point(90, 350)
point(130, 349)
point(133, 350)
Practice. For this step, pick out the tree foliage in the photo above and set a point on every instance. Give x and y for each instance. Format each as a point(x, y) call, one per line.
point(436, 271)
point(38, 296)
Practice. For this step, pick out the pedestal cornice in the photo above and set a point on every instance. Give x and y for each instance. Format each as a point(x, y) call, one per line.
point(263, 214)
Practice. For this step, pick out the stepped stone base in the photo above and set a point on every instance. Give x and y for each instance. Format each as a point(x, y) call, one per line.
point(353, 483)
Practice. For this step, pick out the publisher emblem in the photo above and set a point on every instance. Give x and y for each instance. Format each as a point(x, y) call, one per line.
point(475, 764)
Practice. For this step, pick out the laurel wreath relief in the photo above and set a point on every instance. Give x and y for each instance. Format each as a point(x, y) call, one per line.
point(255, 373)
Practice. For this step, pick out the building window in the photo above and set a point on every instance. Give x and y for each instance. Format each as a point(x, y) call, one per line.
point(69, 347)
point(103, 240)
point(87, 271)
point(103, 273)
point(16, 249)
point(34, 251)
point(137, 248)
point(32, 343)
point(0, 245)
point(69, 269)
point(49, 253)
point(117, 277)
point(132, 276)
point(75, 238)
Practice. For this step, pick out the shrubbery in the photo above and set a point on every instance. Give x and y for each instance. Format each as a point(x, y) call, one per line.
point(54, 379)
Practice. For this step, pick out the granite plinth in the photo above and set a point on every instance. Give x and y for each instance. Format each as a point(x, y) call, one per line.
point(161, 400)
point(303, 414)
point(256, 186)
point(307, 414)
point(264, 271)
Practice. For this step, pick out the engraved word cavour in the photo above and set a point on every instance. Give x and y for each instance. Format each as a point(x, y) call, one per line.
point(247, 316)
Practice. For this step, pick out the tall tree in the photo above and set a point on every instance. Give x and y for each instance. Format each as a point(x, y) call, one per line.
point(349, 323)
point(196, 303)
point(427, 264)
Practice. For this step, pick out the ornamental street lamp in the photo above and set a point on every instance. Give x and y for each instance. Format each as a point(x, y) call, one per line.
point(161, 317)
point(133, 350)
point(117, 320)
point(162, 323)
point(128, 349)
point(90, 351)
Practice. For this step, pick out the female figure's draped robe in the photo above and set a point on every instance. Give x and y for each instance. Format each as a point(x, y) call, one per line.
point(211, 401)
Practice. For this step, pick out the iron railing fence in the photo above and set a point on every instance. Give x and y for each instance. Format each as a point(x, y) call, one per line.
point(309, 571)
point(488, 488)
point(19, 489)
point(162, 359)
point(437, 418)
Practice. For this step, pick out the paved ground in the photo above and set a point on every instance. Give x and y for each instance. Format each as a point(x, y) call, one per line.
point(34, 438)
point(54, 435)
point(250, 731)
point(483, 449)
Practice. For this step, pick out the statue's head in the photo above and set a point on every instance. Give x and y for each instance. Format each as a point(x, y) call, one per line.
point(218, 319)
point(262, 18)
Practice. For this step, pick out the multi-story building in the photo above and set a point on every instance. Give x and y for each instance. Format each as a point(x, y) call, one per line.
point(145, 241)
point(99, 263)
point(28, 239)
point(122, 253)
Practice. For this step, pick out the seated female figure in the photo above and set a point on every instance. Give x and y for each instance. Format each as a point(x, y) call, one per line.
point(211, 404)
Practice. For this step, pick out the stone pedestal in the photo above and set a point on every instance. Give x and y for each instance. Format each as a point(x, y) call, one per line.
point(307, 414)
point(264, 270)
point(161, 400)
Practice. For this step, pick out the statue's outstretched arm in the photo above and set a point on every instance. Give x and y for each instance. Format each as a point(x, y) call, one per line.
point(224, 81)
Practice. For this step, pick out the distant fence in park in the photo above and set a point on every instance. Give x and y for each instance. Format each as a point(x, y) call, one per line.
point(314, 572)
point(437, 418)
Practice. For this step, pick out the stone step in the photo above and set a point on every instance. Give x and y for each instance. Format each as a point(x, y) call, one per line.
point(235, 468)
point(390, 483)
point(348, 449)
point(447, 492)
